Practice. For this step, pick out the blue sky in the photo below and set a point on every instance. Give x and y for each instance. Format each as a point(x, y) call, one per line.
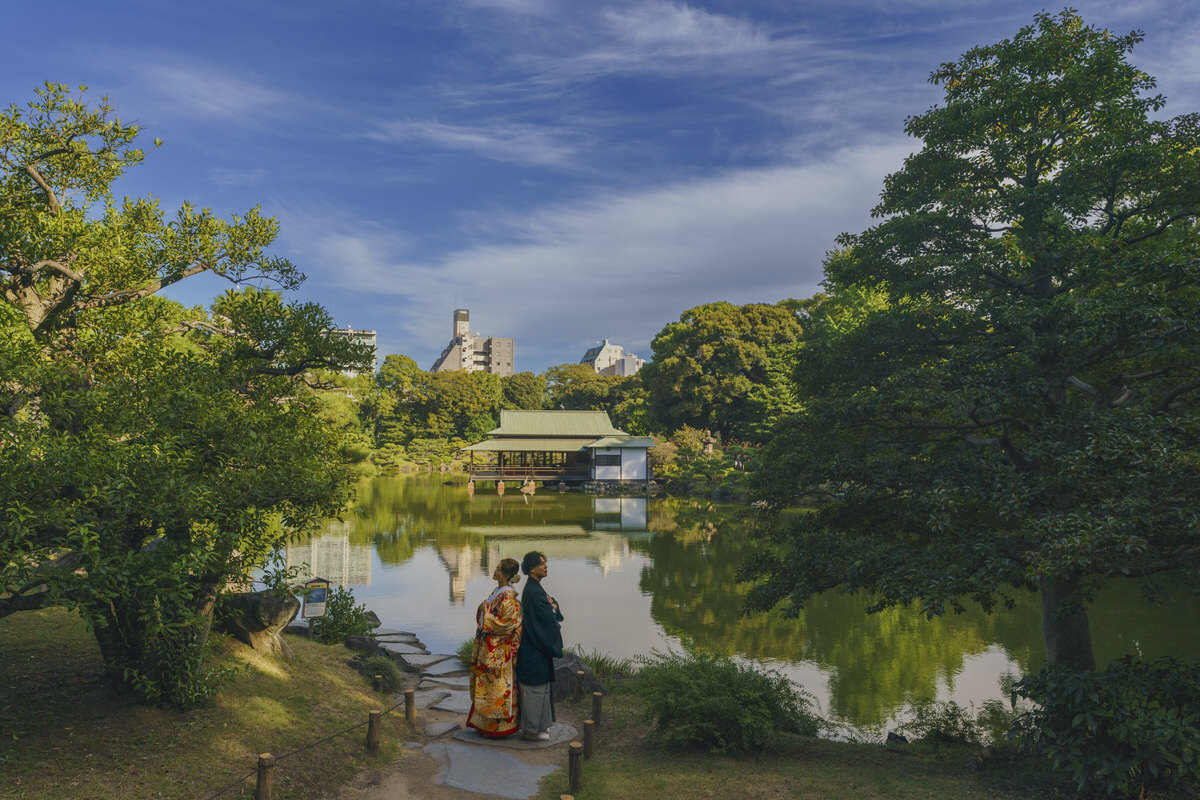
point(569, 171)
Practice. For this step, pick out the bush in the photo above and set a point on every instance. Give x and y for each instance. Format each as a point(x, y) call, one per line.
point(715, 703)
point(466, 651)
point(950, 723)
point(604, 666)
point(1131, 729)
point(384, 667)
point(343, 617)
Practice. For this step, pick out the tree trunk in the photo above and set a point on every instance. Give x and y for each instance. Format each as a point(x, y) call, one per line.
point(1065, 626)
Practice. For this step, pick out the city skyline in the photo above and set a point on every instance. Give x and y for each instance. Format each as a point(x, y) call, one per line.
point(568, 171)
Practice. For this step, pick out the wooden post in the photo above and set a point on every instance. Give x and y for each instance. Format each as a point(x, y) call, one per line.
point(589, 733)
point(266, 765)
point(410, 706)
point(575, 767)
point(379, 683)
point(596, 699)
point(578, 684)
point(373, 731)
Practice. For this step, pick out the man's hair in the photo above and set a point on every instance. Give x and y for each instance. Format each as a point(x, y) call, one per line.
point(531, 560)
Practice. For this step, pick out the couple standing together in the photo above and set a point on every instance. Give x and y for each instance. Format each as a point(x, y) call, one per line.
point(516, 642)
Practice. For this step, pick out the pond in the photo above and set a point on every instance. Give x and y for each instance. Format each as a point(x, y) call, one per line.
point(634, 575)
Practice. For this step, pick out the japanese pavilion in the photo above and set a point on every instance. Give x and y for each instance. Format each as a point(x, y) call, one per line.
point(559, 446)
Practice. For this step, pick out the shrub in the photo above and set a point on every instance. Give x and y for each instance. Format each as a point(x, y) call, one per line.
point(1131, 729)
point(718, 704)
point(950, 723)
point(343, 617)
point(384, 667)
point(604, 666)
point(466, 651)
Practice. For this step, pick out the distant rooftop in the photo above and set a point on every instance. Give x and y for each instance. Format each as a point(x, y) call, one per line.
point(555, 423)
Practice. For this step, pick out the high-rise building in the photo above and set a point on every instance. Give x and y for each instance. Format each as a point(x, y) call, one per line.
point(359, 337)
point(474, 353)
point(611, 359)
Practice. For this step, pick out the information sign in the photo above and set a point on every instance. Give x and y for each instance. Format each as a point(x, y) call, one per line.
point(315, 593)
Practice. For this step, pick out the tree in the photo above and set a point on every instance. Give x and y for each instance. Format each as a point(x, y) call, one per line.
point(1001, 393)
point(719, 367)
point(150, 454)
point(523, 391)
point(578, 387)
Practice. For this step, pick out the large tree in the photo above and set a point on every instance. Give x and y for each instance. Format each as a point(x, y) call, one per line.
point(1002, 393)
point(149, 454)
point(724, 367)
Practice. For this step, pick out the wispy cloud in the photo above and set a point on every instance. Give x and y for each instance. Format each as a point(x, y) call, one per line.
point(508, 141)
point(622, 265)
point(203, 91)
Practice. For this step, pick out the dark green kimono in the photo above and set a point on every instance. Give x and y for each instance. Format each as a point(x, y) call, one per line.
point(541, 640)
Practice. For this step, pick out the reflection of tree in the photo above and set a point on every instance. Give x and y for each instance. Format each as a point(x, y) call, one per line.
point(877, 662)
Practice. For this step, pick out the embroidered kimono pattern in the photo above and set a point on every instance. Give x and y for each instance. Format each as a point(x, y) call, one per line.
point(493, 688)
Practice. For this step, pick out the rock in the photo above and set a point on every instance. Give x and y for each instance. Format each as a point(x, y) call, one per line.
point(426, 699)
point(896, 738)
point(435, 729)
point(564, 677)
point(417, 662)
point(447, 665)
point(395, 649)
point(363, 644)
point(374, 618)
point(257, 618)
point(457, 702)
point(298, 629)
point(445, 682)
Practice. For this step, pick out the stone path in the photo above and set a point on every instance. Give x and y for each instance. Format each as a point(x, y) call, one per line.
point(457, 763)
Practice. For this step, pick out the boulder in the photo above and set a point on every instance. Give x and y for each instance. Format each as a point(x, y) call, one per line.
point(564, 677)
point(257, 618)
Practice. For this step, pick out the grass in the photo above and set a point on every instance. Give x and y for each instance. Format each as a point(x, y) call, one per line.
point(67, 734)
point(627, 766)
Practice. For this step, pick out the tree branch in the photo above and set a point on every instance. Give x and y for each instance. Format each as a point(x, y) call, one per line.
point(51, 198)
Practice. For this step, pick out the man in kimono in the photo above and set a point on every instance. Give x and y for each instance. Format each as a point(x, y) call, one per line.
point(541, 643)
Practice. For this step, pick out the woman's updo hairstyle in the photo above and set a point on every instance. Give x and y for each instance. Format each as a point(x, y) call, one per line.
point(510, 569)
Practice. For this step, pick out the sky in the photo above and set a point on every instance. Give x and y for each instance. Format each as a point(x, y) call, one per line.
point(568, 171)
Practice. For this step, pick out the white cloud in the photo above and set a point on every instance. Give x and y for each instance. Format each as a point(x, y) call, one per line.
point(508, 142)
point(671, 30)
point(621, 266)
point(202, 91)
point(228, 176)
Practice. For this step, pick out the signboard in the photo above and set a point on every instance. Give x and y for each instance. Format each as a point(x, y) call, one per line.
point(315, 593)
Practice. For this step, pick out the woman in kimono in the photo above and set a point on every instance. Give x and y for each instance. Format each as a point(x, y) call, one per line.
point(497, 637)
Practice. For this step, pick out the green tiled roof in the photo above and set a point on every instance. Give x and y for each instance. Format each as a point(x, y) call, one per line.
point(622, 441)
point(592, 424)
point(543, 445)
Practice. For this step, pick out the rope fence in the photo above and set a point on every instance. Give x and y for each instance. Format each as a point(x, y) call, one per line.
point(267, 761)
point(577, 752)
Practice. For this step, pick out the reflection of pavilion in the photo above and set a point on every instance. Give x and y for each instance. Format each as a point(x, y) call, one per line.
point(543, 522)
point(331, 556)
point(619, 513)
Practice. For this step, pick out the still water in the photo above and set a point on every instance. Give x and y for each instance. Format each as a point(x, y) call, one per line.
point(634, 575)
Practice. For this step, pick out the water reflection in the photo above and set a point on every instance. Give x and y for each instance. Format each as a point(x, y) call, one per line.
point(634, 575)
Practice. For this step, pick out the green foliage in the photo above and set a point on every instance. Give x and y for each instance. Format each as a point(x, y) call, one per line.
point(724, 368)
point(466, 651)
point(950, 723)
point(577, 387)
point(1000, 391)
point(152, 454)
point(523, 391)
point(604, 666)
point(1131, 729)
point(385, 668)
point(343, 617)
point(718, 704)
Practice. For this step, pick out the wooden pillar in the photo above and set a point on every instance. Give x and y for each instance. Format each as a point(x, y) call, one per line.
point(410, 706)
point(597, 697)
point(373, 731)
point(266, 765)
point(575, 767)
point(578, 685)
point(589, 737)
